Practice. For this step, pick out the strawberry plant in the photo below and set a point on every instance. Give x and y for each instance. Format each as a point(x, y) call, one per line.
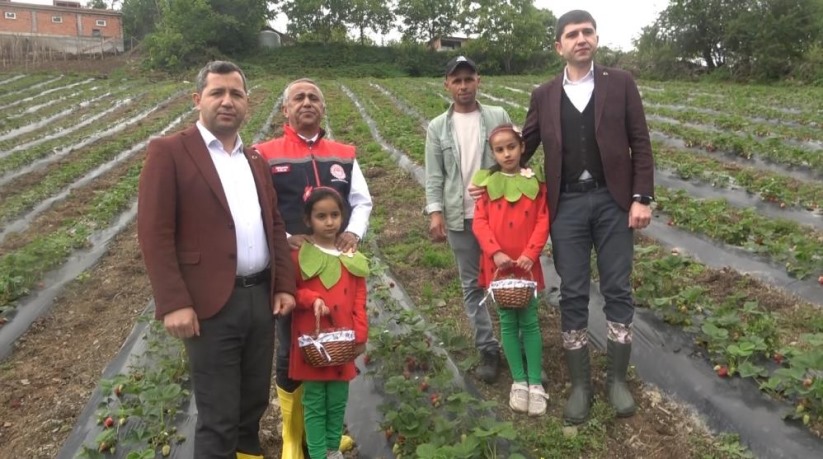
point(141, 409)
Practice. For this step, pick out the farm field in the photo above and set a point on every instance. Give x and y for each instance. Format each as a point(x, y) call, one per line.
point(727, 278)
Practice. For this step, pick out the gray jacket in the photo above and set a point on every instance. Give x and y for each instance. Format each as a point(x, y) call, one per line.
point(444, 182)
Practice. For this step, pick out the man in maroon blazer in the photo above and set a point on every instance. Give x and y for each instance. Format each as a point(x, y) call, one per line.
point(215, 250)
point(600, 178)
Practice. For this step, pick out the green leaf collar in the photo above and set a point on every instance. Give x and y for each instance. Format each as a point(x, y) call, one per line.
point(315, 262)
point(511, 187)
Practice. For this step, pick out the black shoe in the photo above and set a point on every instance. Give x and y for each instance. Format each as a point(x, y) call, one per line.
point(489, 366)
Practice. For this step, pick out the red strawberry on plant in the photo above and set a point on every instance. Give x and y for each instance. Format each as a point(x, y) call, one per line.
point(108, 423)
point(778, 358)
point(820, 280)
point(721, 371)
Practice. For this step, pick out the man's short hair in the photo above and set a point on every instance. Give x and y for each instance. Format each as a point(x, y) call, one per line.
point(572, 17)
point(220, 68)
point(303, 80)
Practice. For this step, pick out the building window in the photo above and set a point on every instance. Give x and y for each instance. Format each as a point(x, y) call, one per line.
point(10, 15)
point(57, 19)
point(100, 23)
point(96, 33)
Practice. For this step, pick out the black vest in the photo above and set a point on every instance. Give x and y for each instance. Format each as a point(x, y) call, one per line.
point(580, 150)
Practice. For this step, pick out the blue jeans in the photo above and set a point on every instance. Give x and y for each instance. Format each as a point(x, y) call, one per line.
point(467, 253)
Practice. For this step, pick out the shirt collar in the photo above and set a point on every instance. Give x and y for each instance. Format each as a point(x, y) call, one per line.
point(589, 76)
point(209, 138)
point(451, 109)
point(311, 139)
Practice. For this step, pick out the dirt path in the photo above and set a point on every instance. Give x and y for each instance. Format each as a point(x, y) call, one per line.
point(46, 382)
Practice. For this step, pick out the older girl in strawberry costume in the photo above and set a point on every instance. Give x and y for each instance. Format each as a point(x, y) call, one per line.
point(511, 223)
point(332, 286)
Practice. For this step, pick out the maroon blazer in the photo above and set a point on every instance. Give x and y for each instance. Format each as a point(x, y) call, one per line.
point(186, 231)
point(620, 129)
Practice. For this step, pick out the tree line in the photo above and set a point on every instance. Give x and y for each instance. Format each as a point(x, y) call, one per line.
point(762, 40)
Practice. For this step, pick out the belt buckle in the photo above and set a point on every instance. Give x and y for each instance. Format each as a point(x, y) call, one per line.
point(246, 281)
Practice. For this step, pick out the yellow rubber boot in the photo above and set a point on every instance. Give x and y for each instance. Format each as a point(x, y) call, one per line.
point(346, 444)
point(291, 411)
point(248, 456)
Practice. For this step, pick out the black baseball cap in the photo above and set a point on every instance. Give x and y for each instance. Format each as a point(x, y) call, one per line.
point(458, 61)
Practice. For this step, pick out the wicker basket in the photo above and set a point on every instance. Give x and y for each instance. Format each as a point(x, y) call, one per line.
point(330, 347)
point(512, 293)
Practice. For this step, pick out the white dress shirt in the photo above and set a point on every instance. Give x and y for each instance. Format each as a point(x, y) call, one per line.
point(235, 175)
point(580, 93)
point(359, 198)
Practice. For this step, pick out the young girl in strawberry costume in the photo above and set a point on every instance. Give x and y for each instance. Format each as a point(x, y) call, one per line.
point(511, 223)
point(331, 286)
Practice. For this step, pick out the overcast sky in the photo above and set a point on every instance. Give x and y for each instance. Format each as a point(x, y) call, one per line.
point(618, 22)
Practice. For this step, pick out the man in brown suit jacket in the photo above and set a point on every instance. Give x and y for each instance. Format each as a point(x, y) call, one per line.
point(600, 180)
point(215, 249)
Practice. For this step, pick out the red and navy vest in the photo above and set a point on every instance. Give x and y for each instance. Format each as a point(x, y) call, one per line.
point(296, 165)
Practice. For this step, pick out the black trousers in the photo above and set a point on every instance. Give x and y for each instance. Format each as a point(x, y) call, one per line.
point(283, 355)
point(585, 220)
point(231, 366)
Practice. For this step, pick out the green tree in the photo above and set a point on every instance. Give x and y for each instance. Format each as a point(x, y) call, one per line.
point(186, 31)
point(97, 4)
point(785, 31)
point(140, 18)
point(426, 20)
point(697, 28)
point(316, 20)
point(510, 30)
point(238, 24)
point(656, 56)
point(376, 15)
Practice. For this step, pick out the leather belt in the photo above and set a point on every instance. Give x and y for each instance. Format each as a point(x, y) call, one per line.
point(581, 187)
point(253, 279)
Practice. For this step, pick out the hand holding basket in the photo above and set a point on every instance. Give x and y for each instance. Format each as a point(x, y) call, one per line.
point(511, 292)
point(329, 347)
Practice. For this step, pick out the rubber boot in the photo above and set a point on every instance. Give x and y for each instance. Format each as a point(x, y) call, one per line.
point(579, 403)
point(346, 443)
point(291, 412)
point(617, 364)
point(248, 456)
point(489, 367)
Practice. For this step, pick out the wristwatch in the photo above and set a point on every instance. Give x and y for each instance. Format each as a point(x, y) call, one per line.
point(645, 200)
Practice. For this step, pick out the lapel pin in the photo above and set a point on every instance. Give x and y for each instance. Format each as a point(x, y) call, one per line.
point(605, 73)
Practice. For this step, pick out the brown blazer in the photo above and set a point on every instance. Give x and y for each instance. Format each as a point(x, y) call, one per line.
point(620, 128)
point(186, 231)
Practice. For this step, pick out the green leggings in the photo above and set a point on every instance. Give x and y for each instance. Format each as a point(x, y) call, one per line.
point(517, 323)
point(324, 406)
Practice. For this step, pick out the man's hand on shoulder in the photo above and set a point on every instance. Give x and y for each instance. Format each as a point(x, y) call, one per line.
point(283, 304)
point(182, 323)
point(296, 240)
point(475, 191)
point(347, 241)
point(437, 227)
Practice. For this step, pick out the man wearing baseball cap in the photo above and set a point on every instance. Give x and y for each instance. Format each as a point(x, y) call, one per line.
point(456, 148)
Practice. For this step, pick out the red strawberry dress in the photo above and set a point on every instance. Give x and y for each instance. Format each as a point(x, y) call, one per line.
point(340, 280)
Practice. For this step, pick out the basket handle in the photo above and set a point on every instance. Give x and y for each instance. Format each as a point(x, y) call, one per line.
point(317, 322)
point(498, 270)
